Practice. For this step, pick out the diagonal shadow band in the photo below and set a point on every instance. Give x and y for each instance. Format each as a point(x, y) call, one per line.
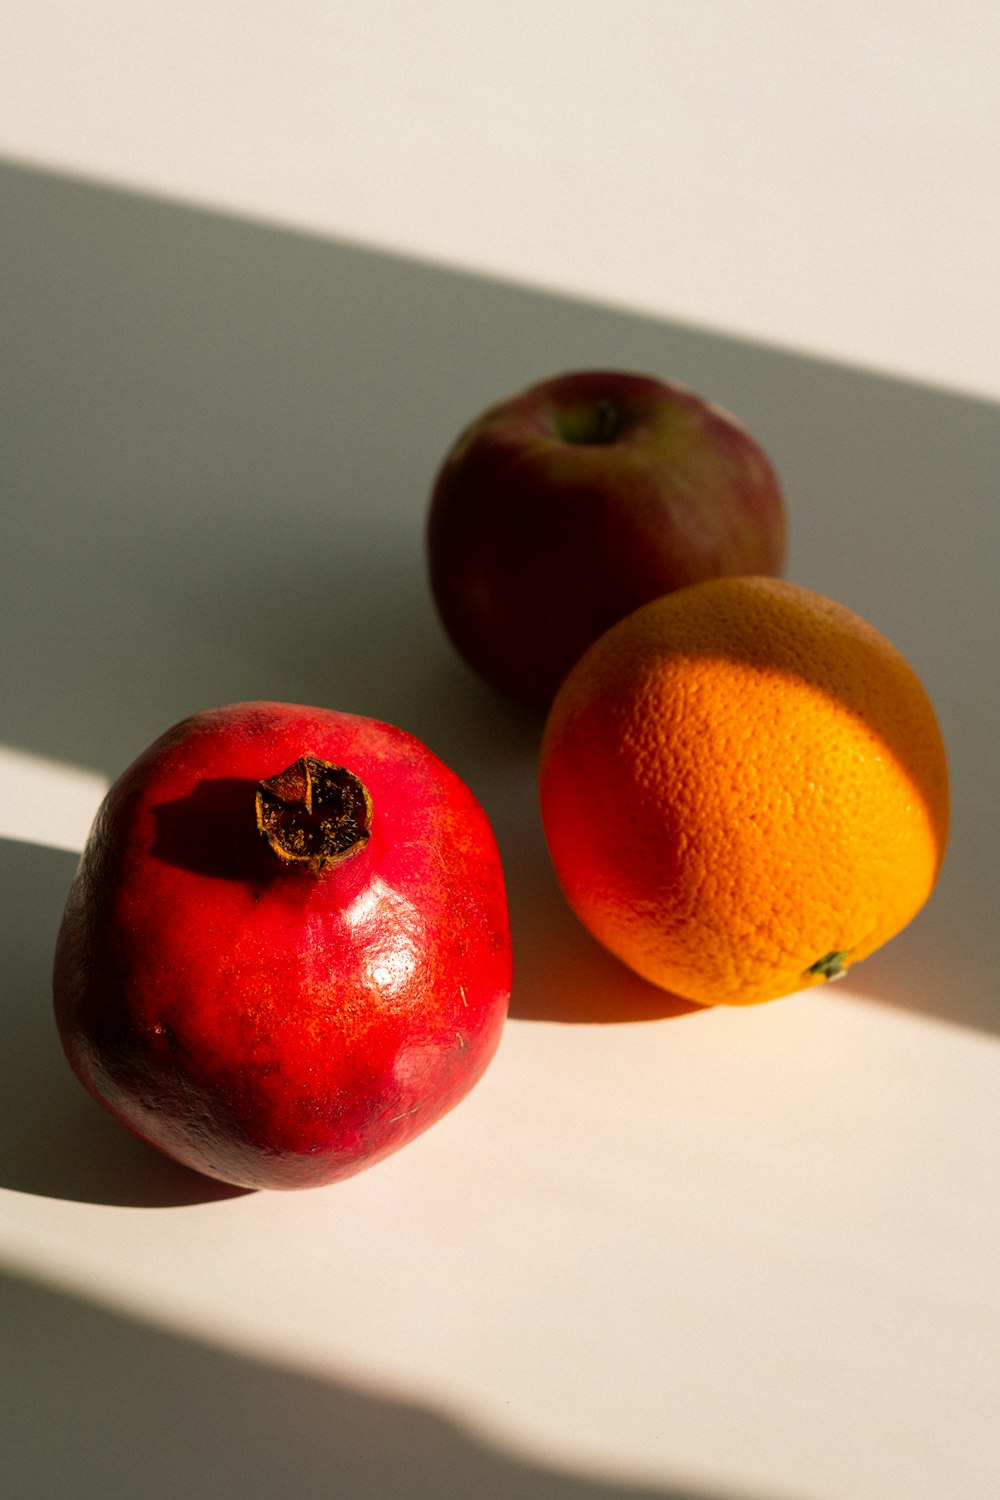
point(220, 443)
point(54, 1139)
point(143, 1411)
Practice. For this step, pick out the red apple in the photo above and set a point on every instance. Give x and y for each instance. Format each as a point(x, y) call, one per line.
point(563, 508)
point(286, 950)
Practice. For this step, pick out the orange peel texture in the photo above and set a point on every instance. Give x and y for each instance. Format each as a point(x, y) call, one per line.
point(744, 790)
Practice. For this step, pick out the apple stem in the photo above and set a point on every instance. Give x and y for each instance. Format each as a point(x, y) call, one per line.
point(314, 814)
point(606, 421)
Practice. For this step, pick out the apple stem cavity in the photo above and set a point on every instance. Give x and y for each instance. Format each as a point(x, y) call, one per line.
point(592, 427)
point(314, 814)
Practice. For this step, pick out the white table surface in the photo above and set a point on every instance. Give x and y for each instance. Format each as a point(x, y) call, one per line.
point(659, 1252)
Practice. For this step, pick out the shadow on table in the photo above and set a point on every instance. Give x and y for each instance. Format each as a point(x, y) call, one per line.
point(218, 447)
point(54, 1139)
point(141, 1411)
point(58, 1142)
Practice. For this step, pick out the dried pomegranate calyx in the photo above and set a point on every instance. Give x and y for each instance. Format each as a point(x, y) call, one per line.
point(314, 813)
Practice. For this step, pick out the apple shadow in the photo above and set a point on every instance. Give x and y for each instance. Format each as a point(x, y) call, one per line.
point(145, 1411)
point(55, 1141)
point(220, 443)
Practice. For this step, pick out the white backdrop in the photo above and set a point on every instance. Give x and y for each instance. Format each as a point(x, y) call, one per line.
point(821, 176)
point(658, 1254)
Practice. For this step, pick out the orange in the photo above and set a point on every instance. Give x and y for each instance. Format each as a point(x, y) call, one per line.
point(744, 790)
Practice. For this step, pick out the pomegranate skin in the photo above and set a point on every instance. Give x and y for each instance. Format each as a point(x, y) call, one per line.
point(264, 1021)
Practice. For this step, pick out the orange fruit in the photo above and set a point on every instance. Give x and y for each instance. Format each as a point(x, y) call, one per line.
point(744, 789)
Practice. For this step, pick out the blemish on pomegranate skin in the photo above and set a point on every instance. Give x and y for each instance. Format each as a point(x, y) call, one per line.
point(404, 1114)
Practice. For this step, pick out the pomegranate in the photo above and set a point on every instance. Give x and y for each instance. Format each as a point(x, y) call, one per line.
point(286, 950)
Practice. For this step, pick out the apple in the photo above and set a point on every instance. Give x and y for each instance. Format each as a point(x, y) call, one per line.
point(563, 508)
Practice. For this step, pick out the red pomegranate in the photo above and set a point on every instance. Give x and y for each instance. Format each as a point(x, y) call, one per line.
point(286, 950)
